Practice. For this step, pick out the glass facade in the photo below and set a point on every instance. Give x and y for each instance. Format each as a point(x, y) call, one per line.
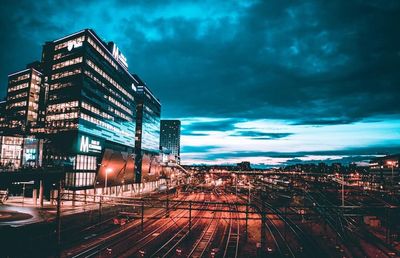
point(21, 111)
point(11, 151)
point(150, 130)
point(148, 112)
point(79, 103)
point(148, 120)
point(90, 99)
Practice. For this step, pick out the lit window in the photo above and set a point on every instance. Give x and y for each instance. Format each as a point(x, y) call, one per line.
point(67, 63)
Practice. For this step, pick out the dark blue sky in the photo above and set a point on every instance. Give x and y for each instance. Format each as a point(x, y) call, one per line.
point(273, 82)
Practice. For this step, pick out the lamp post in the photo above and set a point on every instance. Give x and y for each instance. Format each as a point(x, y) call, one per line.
point(235, 178)
point(343, 189)
point(108, 170)
point(249, 193)
point(23, 194)
point(236, 181)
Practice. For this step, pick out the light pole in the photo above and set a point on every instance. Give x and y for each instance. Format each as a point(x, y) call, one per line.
point(108, 170)
point(23, 194)
point(249, 192)
point(235, 177)
point(343, 189)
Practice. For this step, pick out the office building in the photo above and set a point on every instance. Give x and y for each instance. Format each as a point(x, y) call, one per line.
point(77, 109)
point(22, 101)
point(90, 110)
point(148, 112)
point(3, 124)
point(170, 138)
point(20, 113)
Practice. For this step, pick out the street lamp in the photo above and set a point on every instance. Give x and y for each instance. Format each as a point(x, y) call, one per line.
point(249, 192)
point(343, 189)
point(108, 170)
point(235, 177)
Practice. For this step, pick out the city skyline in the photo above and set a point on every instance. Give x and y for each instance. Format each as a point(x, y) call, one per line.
point(265, 82)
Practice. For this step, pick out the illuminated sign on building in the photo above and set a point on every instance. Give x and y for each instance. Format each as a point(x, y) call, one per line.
point(119, 56)
point(89, 145)
point(73, 44)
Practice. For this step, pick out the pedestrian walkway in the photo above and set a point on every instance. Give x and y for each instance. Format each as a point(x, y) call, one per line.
point(19, 211)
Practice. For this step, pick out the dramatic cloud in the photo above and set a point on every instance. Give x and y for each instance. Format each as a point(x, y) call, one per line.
point(278, 142)
point(308, 63)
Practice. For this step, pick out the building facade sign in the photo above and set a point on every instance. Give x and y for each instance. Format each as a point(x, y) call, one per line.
point(73, 44)
point(119, 56)
point(89, 145)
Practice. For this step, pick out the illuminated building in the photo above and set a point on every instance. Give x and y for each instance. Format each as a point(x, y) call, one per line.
point(148, 111)
point(90, 110)
point(20, 112)
point(170, 137)
point(384, 165)
point(3, 124)
point(78, 111)
point(22, 101)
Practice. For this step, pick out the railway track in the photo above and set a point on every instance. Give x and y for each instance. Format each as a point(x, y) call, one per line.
point(140, 248)
point(281, 244)
point(308, 247)
point(107, 243)
point(279, 239)
point(171, 245)
point(206, 237)
point(231, 249)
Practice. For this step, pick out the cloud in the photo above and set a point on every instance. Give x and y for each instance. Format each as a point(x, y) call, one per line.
point(248, 59)
point(276, 141)
point(260, 135)
point(203, 148)
point(211, 125)
point(286, 75)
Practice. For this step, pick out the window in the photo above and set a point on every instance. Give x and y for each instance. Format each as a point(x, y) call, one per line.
point(65, 74)
point(17, 104)
point(62, 107)
point(85, 162)
point(56, 86)
point(67, 63)
point(17, 96)
point(20, 78)
point(76, 42)
point(64, 116)
point(104, 124)
point(113, 92)
point(102, 53)
point(109, 79)
point(97, 111)
point(18, 87)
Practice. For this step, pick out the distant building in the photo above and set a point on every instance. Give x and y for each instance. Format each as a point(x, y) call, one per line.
point(244, 166)
point(337, 167)
point(170, 137)
point(385, 165)
point(323, 167)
